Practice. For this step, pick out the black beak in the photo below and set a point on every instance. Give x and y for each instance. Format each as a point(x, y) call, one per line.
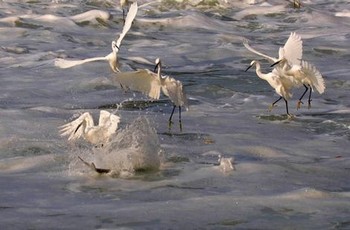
point(248, 68)
point(156, 67)
point(276, 63)
point(116, 46)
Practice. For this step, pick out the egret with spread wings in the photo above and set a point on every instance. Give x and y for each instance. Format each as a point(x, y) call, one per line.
point(290, 65)
point(95, 134)
point(111, 58)
point(152, 83)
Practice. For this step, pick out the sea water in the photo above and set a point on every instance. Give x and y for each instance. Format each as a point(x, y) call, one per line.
point(289, 173)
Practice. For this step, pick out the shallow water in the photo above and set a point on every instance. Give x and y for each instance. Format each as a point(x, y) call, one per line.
point(289, 173)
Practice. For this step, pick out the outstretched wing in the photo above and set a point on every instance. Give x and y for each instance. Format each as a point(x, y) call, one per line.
point(292, 51)
point(270, 59)
point(174, 90)
point(314, 76)
point(128, 21)
point(75, 129)
point(109, 121)
point(143, 81)
point(64, 64)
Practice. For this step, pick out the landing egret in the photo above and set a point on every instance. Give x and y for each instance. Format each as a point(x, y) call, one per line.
point(290, 65)
point(151, 83)
point(112, 58)
point(84, 127)
point(282, 85)
point(307, 75)
point(292, 51)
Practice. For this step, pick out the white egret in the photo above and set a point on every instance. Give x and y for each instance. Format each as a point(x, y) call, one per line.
point(151, 83)
point(290, 65)
point(307, 75)
point(112, 58)
point(282, 85)
point(84, 127)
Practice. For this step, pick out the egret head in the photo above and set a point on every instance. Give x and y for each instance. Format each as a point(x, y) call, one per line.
point(251, 65)
point(115, 47)
point(158, 64)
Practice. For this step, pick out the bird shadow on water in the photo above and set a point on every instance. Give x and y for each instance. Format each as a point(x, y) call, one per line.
point(135, 105)
point(142, 104)
point(283, 117)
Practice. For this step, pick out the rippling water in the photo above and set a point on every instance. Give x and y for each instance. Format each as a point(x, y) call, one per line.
point(289, 174)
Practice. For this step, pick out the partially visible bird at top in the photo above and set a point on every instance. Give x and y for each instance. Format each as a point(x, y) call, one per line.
point(111, 58)
point(151, 83)
point(296, 3)
point(124, 5)
point(84, 127)
point(282, 85)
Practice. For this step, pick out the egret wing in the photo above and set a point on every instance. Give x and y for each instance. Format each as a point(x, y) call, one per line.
point(128, 21)
point(314, 76)
point(109, 121)
point(64, 64)
point(270, 59)
point(75, 129)
point(293, 49)
point(174, 90)
point(143, 81)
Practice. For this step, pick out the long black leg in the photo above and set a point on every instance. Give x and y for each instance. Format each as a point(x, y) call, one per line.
point(180, 122)
point(286, 106)
point(301, 97)
point(273, 104)
point(171, 117)
point(309, 102)
point(277, 101)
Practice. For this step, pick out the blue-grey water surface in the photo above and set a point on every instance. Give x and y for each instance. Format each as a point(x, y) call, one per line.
point(289, 173)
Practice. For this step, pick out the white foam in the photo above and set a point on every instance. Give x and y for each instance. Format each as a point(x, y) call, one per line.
point(135, 148)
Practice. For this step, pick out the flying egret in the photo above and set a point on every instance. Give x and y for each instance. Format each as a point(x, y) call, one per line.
point(282, 85)
point(84, 127)
point(112, 58)
point(292, 51)
point(151, 83)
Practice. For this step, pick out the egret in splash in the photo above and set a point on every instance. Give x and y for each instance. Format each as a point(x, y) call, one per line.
point(111, 58)
point(151, 83)
point(95, 134)
point(282, 85)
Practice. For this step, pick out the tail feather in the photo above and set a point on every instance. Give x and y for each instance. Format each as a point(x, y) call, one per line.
point(314, 76)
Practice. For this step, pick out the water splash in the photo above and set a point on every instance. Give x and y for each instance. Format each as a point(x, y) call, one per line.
point(133, 149)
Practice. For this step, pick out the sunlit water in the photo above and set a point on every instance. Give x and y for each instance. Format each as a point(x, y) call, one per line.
point(289, 174)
